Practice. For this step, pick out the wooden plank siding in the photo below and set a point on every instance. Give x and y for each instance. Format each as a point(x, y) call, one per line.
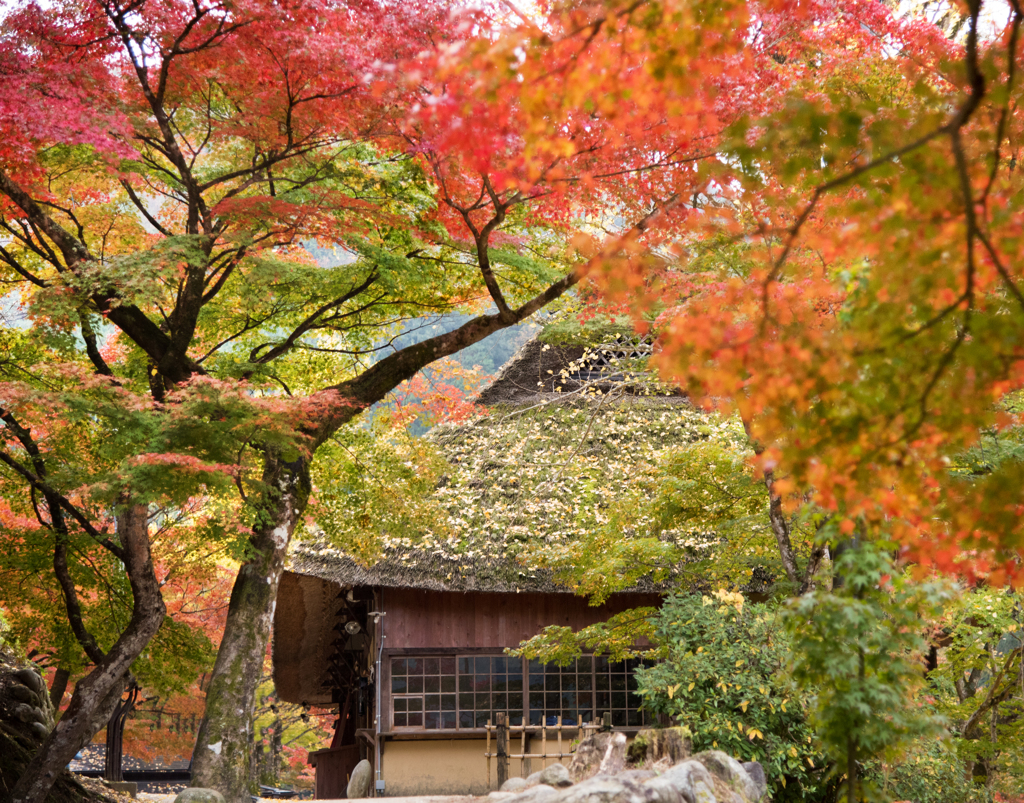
point(443, 621)
point(439, 622)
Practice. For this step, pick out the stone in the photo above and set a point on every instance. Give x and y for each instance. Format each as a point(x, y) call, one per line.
point(639, 775)
point(198, 794)
point(359, 781)
point(39, 730)
point(28, 713)
point(514, 784)
point(601, 753)
point(702, 793)
point(555, 775)
point(599, 789)
point(662, 790)
point(542, 793)
point(756, 773)
point(22, 694)
point(29, 677)
point(730, 771)
point(499, 795)
point(688, 777)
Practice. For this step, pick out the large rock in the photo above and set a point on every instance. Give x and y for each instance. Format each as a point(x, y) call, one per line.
point(692, 779)
point(359, 781)
point(709, 777)
point(756, 773)
point(555, 775)
point(602, 753)
point(731, 772)
point(515, 784)
point(537, 794)
point(602, 789)
point(197, 794)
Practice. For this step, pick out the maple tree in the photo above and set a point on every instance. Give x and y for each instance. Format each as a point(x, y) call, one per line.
point(845, 275)
point(167, 171)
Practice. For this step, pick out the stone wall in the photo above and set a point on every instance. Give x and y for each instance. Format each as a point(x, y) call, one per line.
point(26, 717)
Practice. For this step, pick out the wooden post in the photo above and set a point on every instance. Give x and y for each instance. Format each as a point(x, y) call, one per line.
point(502, 748)
point(606, 723)
point(522, 762)
point(487, 752)
point(558, 724)
point(543, 742)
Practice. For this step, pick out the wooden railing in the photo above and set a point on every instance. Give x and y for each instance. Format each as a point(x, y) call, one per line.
point(502, 730)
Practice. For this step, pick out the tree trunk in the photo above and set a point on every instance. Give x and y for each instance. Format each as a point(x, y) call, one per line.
point(100, 691)
point(222, 755)
point(59, 686)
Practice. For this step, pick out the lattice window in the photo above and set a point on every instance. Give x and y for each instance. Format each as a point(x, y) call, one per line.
point(424, 692)
point(610, 362)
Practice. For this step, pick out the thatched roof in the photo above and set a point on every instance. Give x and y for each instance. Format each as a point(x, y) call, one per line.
point(517, 490)
point(304, 636)
point(417, 568)
point(541, 372)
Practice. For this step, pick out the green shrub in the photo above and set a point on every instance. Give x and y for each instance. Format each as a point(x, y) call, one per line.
point(723, 676)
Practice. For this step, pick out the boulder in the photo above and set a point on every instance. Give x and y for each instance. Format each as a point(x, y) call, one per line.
point(515, 784)
point(756, 773)
point(29, 676)
point(359, 781)
point(197, 794)
point(692, 779)
point(731, 772)
point(601, 753)
point(662, 790)
point(541, 793)
point(602, 789)
point(638, 775)
point(709, 777)
point(555, 775)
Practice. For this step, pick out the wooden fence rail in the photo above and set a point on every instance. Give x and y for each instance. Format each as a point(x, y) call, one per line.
point(502, 730)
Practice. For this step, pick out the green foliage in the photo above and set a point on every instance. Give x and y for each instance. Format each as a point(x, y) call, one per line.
point(617, 637)
point(858, 651)
point(928, 772)
point(373, 483)
point(723, 677)
point(977, 685)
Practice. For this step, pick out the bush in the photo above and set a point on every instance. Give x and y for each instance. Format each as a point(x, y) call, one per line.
point(723, 676)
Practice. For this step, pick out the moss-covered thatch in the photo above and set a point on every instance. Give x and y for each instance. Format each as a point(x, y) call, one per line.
point(536, 469)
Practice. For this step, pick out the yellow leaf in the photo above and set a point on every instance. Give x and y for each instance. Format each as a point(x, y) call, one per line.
point(672, 690)
point(783, 779)
point(690, 687)
point(754, 732)
point(739, 662)
point(810, 762)
point(744, 705)
point(792, 752)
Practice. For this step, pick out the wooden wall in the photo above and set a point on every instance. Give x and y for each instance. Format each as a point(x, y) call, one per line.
point(444, 620)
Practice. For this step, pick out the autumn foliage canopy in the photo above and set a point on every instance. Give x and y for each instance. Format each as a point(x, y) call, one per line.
point(813, 204)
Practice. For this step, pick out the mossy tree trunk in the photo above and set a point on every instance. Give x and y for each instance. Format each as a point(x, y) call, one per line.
point(222, 758)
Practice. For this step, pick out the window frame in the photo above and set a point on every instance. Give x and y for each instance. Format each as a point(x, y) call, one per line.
point(388, 699)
